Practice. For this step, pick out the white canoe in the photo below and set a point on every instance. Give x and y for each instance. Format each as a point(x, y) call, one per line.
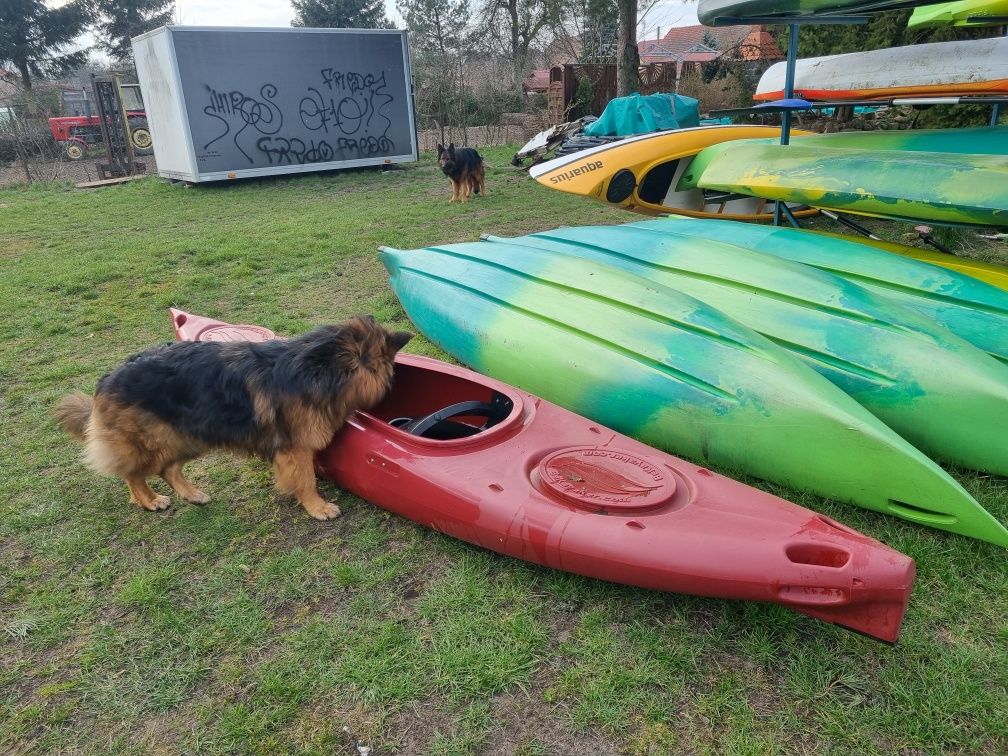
point(975, 66)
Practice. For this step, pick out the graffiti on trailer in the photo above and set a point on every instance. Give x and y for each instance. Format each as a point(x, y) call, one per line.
point(294, 151)
point(238, 111)
point(352, 103)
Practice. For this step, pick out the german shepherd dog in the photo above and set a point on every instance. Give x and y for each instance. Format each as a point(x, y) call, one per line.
point(280, 400)
point(465, 168)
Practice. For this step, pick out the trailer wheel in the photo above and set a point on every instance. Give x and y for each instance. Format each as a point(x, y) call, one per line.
point(140, 137)
point(74, 151)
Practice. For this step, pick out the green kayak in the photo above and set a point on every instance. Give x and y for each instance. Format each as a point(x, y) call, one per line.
point(945, 396)
point(938, 187)
point(982, 140)
point(971, 309)
point(723, 12)
point(652, 362)
point(960, 13)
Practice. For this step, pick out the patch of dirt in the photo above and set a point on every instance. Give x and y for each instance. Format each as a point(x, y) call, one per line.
point(521, 720)
point(12, 247)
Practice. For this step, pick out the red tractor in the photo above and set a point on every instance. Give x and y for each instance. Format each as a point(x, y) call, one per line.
point(76, 133)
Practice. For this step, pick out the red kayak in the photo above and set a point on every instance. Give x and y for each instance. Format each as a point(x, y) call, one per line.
point(492, 465)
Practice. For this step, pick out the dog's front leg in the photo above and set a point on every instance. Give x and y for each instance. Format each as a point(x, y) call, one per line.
point(295, 474)
point(455, 191)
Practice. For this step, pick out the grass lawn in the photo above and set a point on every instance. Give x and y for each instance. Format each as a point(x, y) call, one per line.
point(246, 626)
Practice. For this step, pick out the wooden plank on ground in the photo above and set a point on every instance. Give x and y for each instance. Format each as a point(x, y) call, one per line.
point(106, 182)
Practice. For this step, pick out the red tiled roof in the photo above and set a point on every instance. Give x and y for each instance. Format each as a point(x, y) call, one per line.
point(752, 43)
point(759, 44)
point(538, 80)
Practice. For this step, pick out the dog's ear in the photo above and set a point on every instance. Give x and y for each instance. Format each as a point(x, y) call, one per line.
point(399, 339)
point(451, 148)
point(440, 149)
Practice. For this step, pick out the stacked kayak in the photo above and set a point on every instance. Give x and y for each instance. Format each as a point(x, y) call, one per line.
point(938, 187)
point(980, 140)
point(663, 366)
point(954, 408)
point(962, 67)
point(729, 12)
point(970, 308)
point(960, 13)
point(640, 173)
point(990, 273)
point(500, 468)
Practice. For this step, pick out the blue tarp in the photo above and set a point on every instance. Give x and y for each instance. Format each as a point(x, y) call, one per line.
point(643, 114)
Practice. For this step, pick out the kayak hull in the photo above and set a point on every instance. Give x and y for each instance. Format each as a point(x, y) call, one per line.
point(989, 273)
point(672, 371)
point(640, 174)
point(550, 487)
point(939, 392)
point(973, 13)
point(981, 140)
point(951, 295)
point(733, 12)
point(961, 67)
point(951, 189)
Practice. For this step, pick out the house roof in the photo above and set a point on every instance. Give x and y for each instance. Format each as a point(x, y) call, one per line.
point(538, 80)
point(752, 42)
point(759, 44)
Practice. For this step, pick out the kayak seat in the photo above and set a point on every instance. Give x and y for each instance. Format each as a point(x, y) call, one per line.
point(442, 425)
point(657, 182)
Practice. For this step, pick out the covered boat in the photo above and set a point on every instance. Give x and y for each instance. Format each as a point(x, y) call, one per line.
point(480, 460)
point(676, 373)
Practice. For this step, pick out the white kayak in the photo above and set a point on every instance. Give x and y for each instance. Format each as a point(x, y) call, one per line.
point(965, 67)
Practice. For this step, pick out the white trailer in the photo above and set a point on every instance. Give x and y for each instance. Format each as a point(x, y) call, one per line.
point(233, 102)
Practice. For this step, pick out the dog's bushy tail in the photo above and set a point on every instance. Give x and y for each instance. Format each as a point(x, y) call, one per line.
point(73, 413)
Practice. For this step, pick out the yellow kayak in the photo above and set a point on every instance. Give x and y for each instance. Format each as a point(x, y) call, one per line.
point(640, 173)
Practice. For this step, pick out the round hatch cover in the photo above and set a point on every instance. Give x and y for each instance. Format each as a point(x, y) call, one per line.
point(235, 333)
point(606, 479)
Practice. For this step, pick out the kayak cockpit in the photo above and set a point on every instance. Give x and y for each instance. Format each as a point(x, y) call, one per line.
point(432, 405)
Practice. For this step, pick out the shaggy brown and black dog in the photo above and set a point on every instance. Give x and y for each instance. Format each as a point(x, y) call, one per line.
point(281, 400)
point(465, 168)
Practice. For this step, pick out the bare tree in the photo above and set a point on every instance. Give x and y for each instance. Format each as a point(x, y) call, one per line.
point(627, 59)
point(519, 24)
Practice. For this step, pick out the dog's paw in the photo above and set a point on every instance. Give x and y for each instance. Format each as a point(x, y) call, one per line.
point(324, 511)
point(158, 503)
point(197, 497)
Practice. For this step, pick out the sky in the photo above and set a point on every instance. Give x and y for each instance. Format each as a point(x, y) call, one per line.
point(665, 14)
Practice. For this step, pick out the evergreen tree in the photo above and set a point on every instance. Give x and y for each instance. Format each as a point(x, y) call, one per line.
point(435, 25)
point(121, 20)
point(34, 38)
point(882, 30)
point(341, 14)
